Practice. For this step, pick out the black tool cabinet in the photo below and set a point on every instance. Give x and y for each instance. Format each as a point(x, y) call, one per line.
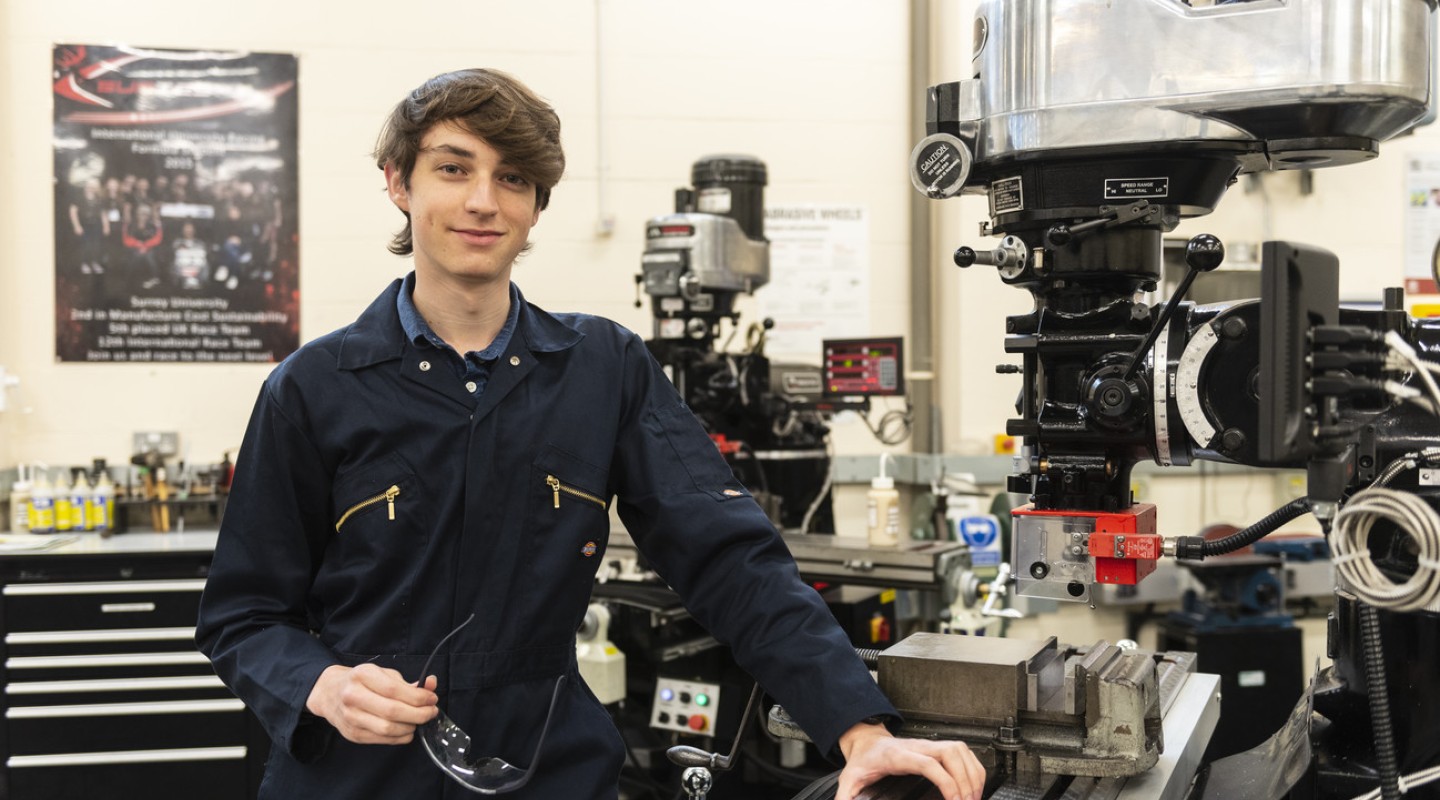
point(104, 694)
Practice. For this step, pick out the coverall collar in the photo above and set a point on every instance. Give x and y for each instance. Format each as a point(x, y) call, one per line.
point(377, 336)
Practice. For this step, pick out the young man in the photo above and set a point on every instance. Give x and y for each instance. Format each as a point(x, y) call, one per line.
point(390, 487)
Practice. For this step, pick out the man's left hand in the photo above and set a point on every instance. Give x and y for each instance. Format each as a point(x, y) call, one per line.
point(871, 753)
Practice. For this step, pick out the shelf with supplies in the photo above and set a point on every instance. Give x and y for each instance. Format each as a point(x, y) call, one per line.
point(133, 498)
point(171, 514)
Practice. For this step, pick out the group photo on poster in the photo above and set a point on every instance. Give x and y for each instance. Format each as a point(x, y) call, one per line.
point(176, 231)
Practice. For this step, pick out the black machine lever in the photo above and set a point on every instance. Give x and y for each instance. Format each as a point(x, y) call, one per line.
point(697, 780)
point(1202, 254)
point(1061, 234)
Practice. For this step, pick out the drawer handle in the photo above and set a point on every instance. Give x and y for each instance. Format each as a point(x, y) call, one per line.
point(114, 685)
point(124, 709)
point(116, 635)
point(117, 660)
point(128, 757)
point(126, 608)
point(106, 587)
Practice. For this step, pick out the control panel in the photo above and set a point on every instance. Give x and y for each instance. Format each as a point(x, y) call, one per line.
point(685, 706)
point(863, 367)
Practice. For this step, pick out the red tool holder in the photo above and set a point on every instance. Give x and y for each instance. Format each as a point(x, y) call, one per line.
point(1124, 544)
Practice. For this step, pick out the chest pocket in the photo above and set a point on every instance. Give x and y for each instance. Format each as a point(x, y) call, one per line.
point(568, 481)
point(567, 518)
point(381, 531)
point(386, 489)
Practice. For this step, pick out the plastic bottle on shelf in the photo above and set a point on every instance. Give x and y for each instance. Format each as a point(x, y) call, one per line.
point(61, 500)
point(20, 503)
point(80, 503)
point(883, 504)
point(103, 505)
point(42, 505)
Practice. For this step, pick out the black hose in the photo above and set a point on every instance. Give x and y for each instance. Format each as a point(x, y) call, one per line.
point(759, 468)
point(1379, 696)
point(789, 778)
point(1257, 531)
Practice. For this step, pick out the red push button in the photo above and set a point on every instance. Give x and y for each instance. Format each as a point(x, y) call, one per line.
point(697, 722)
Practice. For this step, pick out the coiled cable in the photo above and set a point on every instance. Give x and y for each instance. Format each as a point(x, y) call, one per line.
point(1350, 545)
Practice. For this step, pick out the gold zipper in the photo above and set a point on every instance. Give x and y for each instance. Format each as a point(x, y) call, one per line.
point(388, 496)
point(557, 487)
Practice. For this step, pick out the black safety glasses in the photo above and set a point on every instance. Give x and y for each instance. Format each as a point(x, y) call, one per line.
point(449, 746)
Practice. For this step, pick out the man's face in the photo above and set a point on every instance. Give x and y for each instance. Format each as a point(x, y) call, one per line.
point(470, 212)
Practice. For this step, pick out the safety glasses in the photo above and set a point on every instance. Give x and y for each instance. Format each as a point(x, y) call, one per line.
point(449, 746)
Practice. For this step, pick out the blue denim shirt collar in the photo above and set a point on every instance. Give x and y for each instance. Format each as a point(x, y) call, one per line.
point(418, 331)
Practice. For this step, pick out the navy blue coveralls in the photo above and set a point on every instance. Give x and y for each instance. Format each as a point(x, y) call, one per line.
point(449, 508)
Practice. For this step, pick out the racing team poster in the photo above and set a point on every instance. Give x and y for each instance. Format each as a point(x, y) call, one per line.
point(176, 236)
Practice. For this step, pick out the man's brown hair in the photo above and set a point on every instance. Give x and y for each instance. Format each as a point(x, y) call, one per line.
point(489, 104)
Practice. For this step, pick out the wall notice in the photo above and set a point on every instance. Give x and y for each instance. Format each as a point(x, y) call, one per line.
point(176, 236)
point(819, 278)
point(1422, 222)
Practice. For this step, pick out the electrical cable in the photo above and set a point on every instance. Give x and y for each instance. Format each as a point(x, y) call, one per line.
point(1196, 548)
point(1406, 783)
point(759, 468)
point(1408, 461)
point(782, 431)
point(654, 787)
point(888, 420)
point(1351, 547)
point(1378, 694)
point(824, 489)
point(734, 329)
point(1400, 347)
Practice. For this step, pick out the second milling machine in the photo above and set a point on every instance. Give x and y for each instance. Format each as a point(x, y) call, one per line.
point(771, 422)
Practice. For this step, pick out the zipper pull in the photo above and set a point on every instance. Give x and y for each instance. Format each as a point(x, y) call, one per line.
point(554, 487)
point(390, 495)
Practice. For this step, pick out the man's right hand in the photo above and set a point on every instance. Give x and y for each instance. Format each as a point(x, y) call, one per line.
point(372, 705)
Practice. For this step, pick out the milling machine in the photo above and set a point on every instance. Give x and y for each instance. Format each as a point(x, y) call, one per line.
point(697, 262)
point(1093, 128)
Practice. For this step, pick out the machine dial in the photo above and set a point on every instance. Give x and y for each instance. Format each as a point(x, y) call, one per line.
point(1187, 385)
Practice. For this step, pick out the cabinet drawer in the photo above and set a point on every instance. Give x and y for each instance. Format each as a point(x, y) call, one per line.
point(85, 606)
point(217, 773)
point(86, 728)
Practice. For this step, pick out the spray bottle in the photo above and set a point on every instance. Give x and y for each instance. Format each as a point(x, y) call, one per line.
point(20, 501)
point(883, 503)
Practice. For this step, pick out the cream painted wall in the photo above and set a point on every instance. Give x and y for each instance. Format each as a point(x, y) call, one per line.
point(815, 88)
point(10, 330)
point(818, 89)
